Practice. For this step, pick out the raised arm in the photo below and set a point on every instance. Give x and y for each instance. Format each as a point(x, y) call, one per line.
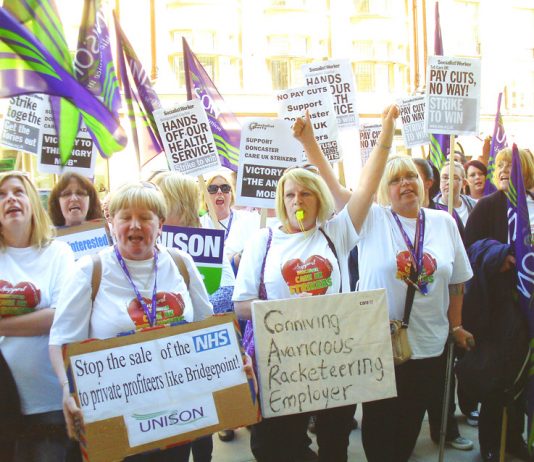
point(303, 131)
point(362, 197)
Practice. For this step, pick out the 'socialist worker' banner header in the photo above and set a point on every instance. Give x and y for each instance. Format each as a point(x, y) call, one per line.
point(187, 138)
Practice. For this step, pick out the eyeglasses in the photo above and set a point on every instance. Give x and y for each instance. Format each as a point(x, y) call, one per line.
point(410, 177)
point(214, 188)
point(78, 192)
point(445, 178)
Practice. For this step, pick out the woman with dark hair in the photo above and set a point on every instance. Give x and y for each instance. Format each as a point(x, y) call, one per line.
point(476, 173)
point(73, 201)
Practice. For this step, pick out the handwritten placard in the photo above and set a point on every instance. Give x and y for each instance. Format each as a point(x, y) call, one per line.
point(322, 352)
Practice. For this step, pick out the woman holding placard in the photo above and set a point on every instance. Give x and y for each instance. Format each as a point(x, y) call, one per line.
point(73, 201)
point(304, 206)
point(33, 268)
point(134, 270)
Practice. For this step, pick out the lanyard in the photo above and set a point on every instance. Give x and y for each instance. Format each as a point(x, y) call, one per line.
point(416, 253)
point(150, 313)
point(227, 228)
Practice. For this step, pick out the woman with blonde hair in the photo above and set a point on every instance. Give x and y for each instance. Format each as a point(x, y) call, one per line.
point(33, 269)
point(412, 252)
point(492, 313)
point(133, 270)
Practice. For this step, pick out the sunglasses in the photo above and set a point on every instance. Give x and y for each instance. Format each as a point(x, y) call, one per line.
point(214, 188)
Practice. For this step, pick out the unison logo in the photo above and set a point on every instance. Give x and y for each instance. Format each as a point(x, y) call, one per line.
point(168, 418)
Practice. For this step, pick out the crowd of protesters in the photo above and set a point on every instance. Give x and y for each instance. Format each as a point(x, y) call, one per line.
point(459, 271)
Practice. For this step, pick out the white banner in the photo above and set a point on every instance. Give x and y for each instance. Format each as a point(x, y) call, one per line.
point(452, 95)
point(86, 239)
point(267, 148)
point(412, 114)
point(318, 101)
point(368, 138)
point(83, 154)
point(23, 122)
point(187, 139)
point(172, 378)
point(337, 74)
point(321, 352)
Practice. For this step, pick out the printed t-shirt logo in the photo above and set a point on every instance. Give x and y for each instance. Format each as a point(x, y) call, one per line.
point(404, 265)
point(312, 275)
point(19, 299)
point(169, 309)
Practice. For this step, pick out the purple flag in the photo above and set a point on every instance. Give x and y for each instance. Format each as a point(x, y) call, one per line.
point(440, 145)
point(224, 125)
point(498, 142)
point(141, 100)
point(28, 67)
point(93, 61)
point(521, 239)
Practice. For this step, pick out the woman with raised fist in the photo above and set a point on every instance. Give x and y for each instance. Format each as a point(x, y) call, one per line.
point(33, 268)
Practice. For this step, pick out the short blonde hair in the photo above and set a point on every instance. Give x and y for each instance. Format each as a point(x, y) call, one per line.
point(182, 196)
point(527, 165)
point(312, 182)
point(42, 231)
point(142, 195)
point(398, 166)
point(457, 166)
point(228, 180)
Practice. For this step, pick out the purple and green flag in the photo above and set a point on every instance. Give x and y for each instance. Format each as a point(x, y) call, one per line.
point(440, 145)
point(498, 142)
point(141, 99)
point(93, 61)
point(42, 64)
point(521, 239)
point(224, 124)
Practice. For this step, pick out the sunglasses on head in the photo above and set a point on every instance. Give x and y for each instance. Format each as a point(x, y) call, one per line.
point(225, 188)
point(310, 167)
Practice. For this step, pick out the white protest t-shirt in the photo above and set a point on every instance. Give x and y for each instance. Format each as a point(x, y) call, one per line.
point(41, 274)
point(244, 225)
point(300, 262)
point(116, 309)
point(382, 255)
point(462, 211)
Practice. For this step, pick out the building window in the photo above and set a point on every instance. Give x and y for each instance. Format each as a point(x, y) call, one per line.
point(286, 72)
point(364, 74)
point(208, 62)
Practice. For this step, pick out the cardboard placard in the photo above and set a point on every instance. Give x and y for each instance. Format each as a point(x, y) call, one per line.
point(86, 239)
point(267, 149)
point(412, 114)
point(324, 351)
point(337, 74)
point(23, 122)
point(159, 387)
point(452, 95)
point(317, 100)
point(206, 246)
point(368, 137)
point(187, 138)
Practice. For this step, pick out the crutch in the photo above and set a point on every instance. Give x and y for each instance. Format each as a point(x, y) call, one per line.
point(446, 397)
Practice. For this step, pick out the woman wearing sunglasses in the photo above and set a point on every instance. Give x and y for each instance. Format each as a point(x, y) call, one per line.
point(73, 201)
point(237, 226)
